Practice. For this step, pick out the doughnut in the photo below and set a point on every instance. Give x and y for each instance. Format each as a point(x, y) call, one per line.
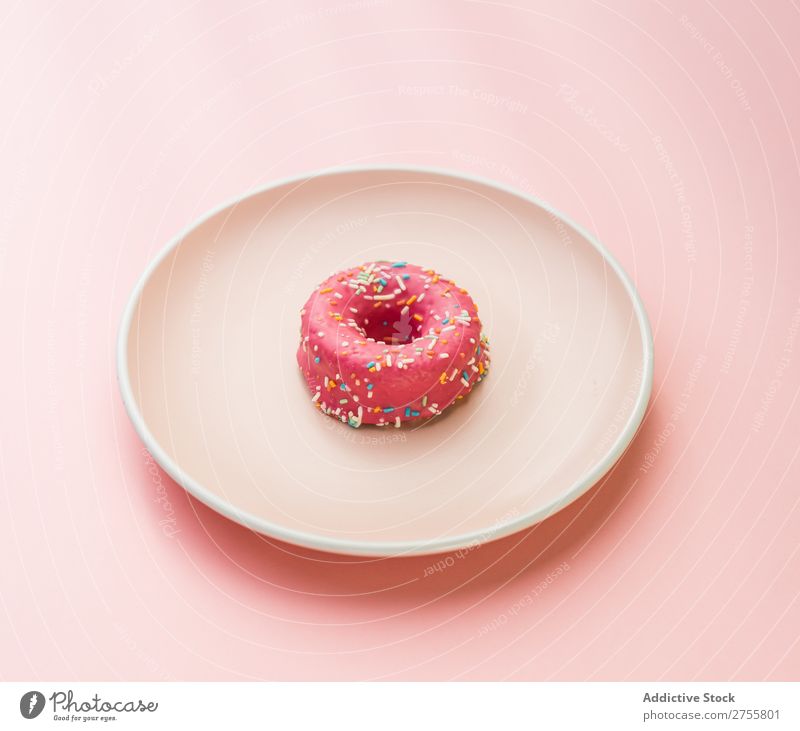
point(387, 343)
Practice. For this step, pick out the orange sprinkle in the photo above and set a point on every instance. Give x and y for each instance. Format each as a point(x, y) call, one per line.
point(326, 290)
point(412, 300)
point(435, 279)
point(418, 317)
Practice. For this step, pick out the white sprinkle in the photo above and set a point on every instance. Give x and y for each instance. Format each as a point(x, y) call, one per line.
point(465, 383)
point(448, 328)
point(326, 381)
point(444, 355)
point(397, 422)
point(321, 334)
point(453, 374)
point(421, 297)
point(389, 361)
point(404, 311)
point(425, 400)
point(369, 394)
point(338, 294)
point(315, 397)
point(382, 297)
point(400, 283)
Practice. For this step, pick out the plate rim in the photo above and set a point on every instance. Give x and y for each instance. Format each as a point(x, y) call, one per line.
point(385, 548)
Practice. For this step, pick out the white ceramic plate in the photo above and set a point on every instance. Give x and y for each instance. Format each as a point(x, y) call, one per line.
point(208, 375)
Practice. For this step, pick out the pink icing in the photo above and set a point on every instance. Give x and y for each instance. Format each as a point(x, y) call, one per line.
point(389, 342)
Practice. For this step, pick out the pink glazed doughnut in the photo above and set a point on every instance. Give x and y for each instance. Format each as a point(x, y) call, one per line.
point(387, 343)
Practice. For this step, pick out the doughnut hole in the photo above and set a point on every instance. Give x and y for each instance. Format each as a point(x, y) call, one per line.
point(388, 324)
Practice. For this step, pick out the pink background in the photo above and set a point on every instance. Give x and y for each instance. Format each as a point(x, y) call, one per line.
point(668, 129)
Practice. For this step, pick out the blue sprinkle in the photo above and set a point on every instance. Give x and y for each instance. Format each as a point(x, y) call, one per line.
point(382, 281)
point(316, 360)
point(406, 276)
point(370, 386)
point(408, 411)
point(343, 386)
point(445, 321)
point(399, 264)
point(465, 374)
point(478, 351)
point(415, 413)
point(371, 364)
point(388, 409)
